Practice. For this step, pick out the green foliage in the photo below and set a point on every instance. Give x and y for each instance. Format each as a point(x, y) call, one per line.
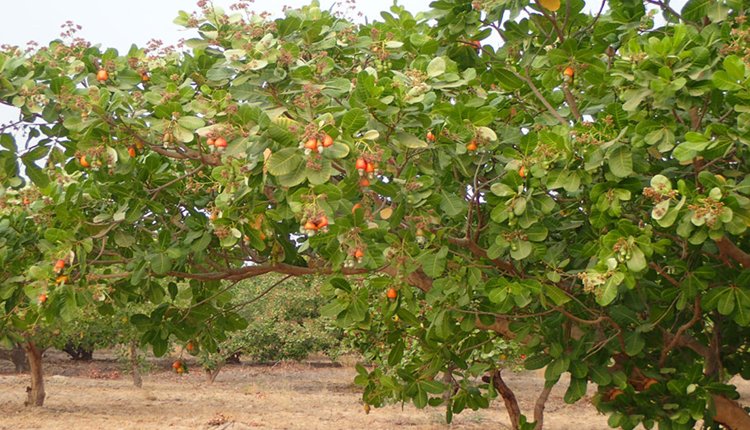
point(586, 193)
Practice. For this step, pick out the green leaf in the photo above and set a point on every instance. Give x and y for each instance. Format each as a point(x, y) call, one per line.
point(451, 204)
point(353, 120)
point(637, 260)
point(576, 390)
point(320, 175)
point(556, 368)
point(634, 343)
point(556, 294)
point(633, 98)
point(284, 161)
point(535, 362)
point(723, 81)
point(256, 64)
point(433, 387)
point(600, 375)
point(507, 80)
point(520, 249)
point(487, 133)
point(123, 239)
point(36, 174)
point(160, 346)
point(660, 210)
point(409, 140)
point(436, 67)
point(191, 122)
point(695, 10)
point(498, 295)
point(161, 264)
point(621, 162)
point(56, 235)
point(609, 290)
point(501, 190)
point(433, 263)
point(726, 302)
point(735, 67)
point(420, 399)
point(396, 354)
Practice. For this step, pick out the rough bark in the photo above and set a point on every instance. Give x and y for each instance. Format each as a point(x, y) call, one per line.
point(509, 398)
point(35, 392)
point(727, 248)
point(134, 367)
point(211, 374)
point(730, 414)
point(541, 401)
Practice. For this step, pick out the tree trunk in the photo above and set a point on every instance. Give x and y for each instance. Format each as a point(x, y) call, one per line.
point(730, 414)
point(134, 367)
point(541, 401)
point(511, 403)
point(211, 374)
point(36, 393)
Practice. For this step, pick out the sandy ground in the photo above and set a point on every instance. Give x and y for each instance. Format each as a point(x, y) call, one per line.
point(286, 396)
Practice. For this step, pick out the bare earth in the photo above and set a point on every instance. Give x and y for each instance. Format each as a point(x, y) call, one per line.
point(286, 396)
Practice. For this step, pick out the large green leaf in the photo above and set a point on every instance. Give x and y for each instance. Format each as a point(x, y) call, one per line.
point(353, 120)
point(621, 162)
point(284, 161)
point(433, 262)
point(410, 141)
point(451, 204)
point(161, 263)
point(576, 390)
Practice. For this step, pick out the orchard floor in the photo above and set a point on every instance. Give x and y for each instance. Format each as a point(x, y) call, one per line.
point(95, 395)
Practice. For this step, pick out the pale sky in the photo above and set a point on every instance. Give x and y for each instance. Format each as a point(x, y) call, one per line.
point(119, 24)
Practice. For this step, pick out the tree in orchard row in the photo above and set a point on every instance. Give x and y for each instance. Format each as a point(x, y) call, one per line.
point(580, 187)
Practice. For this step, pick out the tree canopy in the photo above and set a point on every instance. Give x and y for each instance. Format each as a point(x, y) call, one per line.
point(579, 186)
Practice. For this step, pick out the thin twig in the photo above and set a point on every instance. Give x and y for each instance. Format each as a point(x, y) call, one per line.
point(541, 98)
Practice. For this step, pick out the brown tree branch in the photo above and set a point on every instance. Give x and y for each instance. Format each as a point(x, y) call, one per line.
point(572, 103)
point(664, 274)
point(681, 331)
point(158, 189)
point(730, 413)
point(729, 249)
point(555, 25)
point(479, 252)
point(541, 98)
point(541, 401)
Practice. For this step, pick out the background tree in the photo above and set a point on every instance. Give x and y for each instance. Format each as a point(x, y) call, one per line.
point(283, 323)
point(579, 187)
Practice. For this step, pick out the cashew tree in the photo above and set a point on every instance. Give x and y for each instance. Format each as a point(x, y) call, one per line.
point(570, 178)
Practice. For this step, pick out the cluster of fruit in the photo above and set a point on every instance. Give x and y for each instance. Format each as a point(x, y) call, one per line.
point(312, 226)
point(61, 278)
point(355, 257)
point(102, 75)
point(179, 367)
point(366, 170)
point(218, 143)
point(315, 145)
